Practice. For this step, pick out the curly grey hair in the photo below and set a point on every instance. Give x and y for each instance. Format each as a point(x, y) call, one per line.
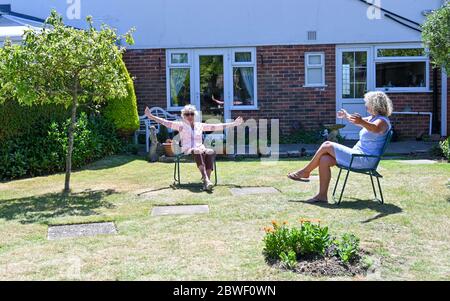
point(379, 103)
point(189, 109)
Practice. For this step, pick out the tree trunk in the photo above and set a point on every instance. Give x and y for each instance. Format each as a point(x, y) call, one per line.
point(73, 121)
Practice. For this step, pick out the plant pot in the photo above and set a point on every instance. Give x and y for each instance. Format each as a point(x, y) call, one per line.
point(168, 150)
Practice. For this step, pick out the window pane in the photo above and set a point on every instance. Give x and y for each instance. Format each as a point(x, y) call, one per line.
point(180, 87)
point(314, 76)
point(243, 57)
point(401, 75)
point(314, 59)
point(243, 86)
point(401, 52)
point(179, 58)
point(354, 74)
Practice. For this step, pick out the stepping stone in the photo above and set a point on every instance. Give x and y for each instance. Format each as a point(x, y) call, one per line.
point(418, 162)
point(180, 210)
point(80, 230)
point(253, 190)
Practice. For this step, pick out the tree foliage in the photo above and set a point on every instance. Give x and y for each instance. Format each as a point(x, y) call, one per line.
point(436, 36)
point(64, 65)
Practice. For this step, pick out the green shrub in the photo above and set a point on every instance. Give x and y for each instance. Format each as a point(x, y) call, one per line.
point(347, 247)
point(307, 240)
point(445, 147)
point(122, 111)
point(287, 244)
point(289, 260)
point(302, 136)
point(44, 151)
point(17, 120)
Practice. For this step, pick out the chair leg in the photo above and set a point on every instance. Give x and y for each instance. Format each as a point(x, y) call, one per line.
point(343, 187)
point(215, 173)
point(381, 191)
point(336, 185)
point(373, 186)
point(176, 172)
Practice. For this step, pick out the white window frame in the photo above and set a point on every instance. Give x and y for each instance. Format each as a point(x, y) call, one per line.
point(315, 66)
point(169, 66)
point(252, 64)
point(405, 59)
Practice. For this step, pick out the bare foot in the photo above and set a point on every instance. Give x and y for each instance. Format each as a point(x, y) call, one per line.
point(318, 199)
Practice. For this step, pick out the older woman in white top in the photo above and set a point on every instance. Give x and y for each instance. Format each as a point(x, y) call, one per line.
point(191, 133)
point(372, 138)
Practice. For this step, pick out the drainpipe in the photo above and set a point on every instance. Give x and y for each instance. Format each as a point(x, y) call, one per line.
point(435, 101)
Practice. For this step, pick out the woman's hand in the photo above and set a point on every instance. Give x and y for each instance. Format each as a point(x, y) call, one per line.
point(148, 113)
point(342, 113)
point(356, 119)
point(239, 121)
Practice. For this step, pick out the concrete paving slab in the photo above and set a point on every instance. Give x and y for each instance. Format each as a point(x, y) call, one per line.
point(80, 230)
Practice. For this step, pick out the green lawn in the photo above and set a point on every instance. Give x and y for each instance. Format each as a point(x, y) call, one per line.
point(408, 236)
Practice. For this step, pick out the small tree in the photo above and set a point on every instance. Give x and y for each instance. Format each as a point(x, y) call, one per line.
point(436, 36)
point(64, 65)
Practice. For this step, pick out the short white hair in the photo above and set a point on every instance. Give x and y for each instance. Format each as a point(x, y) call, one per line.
point(189, 109)
point(379, 103)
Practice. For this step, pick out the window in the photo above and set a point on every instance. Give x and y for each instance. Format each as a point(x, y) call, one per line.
point(179, 83)
point(244, 78)
point(401, 69)
point(314, 69)
point(354, 74)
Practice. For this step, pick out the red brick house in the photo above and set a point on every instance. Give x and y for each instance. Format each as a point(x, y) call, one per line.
point(296, 61)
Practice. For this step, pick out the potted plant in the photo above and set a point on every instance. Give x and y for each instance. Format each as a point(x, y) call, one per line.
point(168, 148)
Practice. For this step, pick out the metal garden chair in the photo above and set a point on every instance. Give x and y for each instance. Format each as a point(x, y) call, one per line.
point(372, 172)
point(177, 171)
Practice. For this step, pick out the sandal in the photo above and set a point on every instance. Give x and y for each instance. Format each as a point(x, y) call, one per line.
point(294, 176)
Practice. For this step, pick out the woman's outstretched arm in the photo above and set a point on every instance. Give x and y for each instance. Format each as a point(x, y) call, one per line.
point(221, 126)
point(378, 126)
point(170, 124)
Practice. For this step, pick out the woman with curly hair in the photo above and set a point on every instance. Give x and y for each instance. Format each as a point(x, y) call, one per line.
point(372, 137)
point(191, 133)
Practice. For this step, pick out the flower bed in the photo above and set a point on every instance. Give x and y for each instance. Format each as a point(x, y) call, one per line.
point(310, 249)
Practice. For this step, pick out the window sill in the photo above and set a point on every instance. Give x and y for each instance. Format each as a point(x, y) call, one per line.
point(315, 86)
point(244, 108)
point(393, 91)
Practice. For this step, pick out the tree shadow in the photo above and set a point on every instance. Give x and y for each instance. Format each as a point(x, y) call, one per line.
point(360, 204)
point(112, 162)
point(41, 208)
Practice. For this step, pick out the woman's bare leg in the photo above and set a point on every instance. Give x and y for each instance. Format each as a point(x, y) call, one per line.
point(325, 149)
point(325, 164)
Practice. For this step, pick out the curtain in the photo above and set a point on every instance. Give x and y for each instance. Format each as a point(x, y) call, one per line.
point(177, 79)
point(247, 76)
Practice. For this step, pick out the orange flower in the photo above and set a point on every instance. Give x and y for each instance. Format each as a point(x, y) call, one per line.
point(285, 223)
point(268, 229)
point(275, 224)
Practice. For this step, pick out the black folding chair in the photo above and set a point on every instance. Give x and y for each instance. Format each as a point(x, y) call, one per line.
point(372, 172)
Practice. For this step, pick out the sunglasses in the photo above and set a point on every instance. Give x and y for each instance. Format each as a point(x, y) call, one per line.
point(189, 114)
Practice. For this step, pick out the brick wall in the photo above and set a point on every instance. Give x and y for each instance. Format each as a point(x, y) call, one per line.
point(281, 76)
point(148, 68)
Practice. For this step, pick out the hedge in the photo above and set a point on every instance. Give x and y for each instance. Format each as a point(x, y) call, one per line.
point(123, 111)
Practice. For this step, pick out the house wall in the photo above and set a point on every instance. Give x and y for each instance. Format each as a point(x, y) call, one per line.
point(281, 95)
point(206, 23)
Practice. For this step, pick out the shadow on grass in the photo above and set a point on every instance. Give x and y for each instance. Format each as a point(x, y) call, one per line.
point(359, 204)
point(39, 209)
point(112, 162)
